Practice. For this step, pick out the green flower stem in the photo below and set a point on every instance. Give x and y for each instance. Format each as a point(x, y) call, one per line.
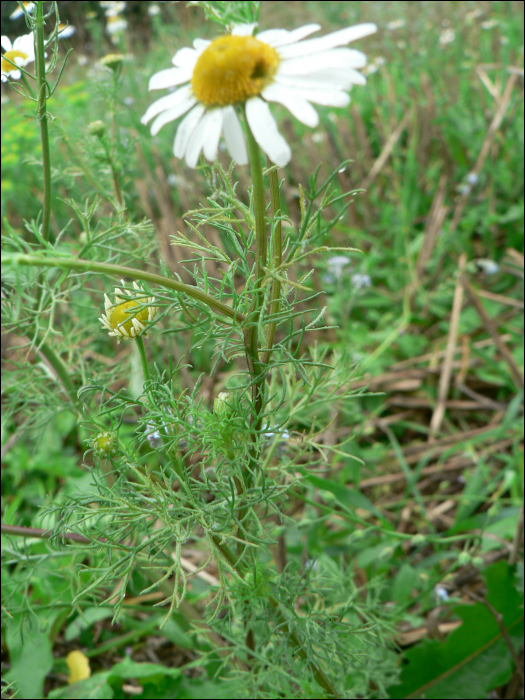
point(15, 259)
point(277, 255)
point(113, 147)
point(143, 358)
point(259, 206)
point(250, 333)
point(42, 88)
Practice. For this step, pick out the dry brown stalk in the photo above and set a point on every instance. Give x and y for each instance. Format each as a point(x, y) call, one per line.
point(452, 465)
point(492, 330)
point(500, 299)
point(387, 150)
point(429, 356)
point(446, 371)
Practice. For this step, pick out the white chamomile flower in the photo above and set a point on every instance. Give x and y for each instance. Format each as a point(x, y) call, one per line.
point(21, 52)
point(212, 78)
point(115, 24)
point(113, 7)
point(19, 11)
point(129, 314)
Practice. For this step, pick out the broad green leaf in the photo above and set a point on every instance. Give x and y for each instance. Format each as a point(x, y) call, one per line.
point(474, 658)
point(30, 656)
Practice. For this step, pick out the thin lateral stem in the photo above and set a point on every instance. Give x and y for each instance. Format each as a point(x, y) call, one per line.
point(122, 271)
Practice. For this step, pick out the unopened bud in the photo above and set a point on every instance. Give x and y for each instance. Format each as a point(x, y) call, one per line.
point(464, 558)
point(105, 445)
point(112, 61)
point(97, 128)
point(222, 406)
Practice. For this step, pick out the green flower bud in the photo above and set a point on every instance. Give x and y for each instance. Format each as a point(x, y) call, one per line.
point(222, 406)
point(113, 61)
point(105, 444)
point(96, 128)
point(464, 558)
point(478, 562)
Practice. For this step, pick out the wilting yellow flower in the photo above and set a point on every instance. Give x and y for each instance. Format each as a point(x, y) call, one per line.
point(128, 316)
point(78, 664)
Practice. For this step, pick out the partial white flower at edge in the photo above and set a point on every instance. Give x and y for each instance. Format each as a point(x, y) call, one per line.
point(270, 435)
point(21, 52)
point(29, 6)
point(213, 78)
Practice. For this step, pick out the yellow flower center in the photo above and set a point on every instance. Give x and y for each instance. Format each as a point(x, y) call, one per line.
point(11, 55)
point(122, 316)
point(232, 69)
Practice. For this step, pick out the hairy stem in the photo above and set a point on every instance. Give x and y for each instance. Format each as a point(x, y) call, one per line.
point(143, 358)
point(122, 271)
point(250, 333)
point(41, 86)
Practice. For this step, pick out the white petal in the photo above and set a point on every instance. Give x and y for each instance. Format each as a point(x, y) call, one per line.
point(172, 114)
point(186, 129)
point(343, 78)
point(198, 139)
point(281, 37)
point(274, 37)
point(265, 132)
point(186, 58)
point(244, 29)
point(324, 43)
point(25, 43)
point(330, 97)
point(169, 78)
point(201, 44)
point(234, 137)
point(6, 43)
point(167, 102)
point(315, 81)
point(299, 107)
point(336, 58)
point(211, 144)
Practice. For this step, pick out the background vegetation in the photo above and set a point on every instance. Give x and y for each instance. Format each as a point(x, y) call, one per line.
point(418, 509)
